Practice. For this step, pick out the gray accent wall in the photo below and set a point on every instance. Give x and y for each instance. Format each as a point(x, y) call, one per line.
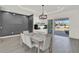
point(0, 23)
point(13, 24)
point(30, 23)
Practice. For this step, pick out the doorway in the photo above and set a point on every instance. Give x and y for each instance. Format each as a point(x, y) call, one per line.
point(62, 27)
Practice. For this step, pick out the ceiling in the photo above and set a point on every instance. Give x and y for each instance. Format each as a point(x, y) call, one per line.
point(36, 9)
point(49, 9)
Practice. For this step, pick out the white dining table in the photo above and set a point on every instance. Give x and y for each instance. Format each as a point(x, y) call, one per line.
point(37, 38)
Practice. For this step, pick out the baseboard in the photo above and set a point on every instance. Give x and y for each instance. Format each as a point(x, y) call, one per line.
point(74, 38)
point(10, 36)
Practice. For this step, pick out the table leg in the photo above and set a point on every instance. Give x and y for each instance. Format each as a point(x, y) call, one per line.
point(50, 48)
point(39, 48)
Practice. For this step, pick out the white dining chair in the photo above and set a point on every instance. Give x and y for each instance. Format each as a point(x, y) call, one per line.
point(45, 44)
point(27, 39)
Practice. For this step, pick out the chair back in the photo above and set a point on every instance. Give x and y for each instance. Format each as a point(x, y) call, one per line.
point(27, 39)
point(22, 37)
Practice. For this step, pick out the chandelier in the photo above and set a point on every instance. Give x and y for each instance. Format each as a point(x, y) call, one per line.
point(43, 16)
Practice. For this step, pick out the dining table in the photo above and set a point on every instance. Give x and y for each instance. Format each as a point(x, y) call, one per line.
point(37, 38)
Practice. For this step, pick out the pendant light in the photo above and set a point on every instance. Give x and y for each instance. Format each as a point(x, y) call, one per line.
point(43, 16)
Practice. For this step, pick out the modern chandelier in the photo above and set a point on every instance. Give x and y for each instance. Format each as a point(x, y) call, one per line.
point(43, 16)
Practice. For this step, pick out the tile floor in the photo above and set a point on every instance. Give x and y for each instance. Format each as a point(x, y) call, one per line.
point(60, 45)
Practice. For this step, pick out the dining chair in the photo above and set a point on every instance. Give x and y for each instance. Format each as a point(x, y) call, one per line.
point(25, 36)
point(45, 44)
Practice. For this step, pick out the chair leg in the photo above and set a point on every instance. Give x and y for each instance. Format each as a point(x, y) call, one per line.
point(38, 50)
point(50, 49)
point(35, 50)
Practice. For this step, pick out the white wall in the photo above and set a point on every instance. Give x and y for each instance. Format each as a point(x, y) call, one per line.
point(74, 23)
